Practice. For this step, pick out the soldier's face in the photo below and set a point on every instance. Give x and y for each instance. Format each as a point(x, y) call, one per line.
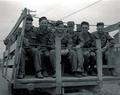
point(70, 29)
point(43, 23)
point(28, 25)
point(100, 28)
point(85, 28)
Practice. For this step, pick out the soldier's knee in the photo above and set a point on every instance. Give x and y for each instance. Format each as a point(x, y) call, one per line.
point(23, 51)
point(35, 51)
point(72, 52)
point(52, 52)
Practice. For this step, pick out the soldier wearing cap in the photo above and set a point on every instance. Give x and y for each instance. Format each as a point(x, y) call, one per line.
point(84, 42)
point(107, 42)
point(45, 39)
point(72, 45)
point(67, 51)
point(28, 50)
point(78, 28)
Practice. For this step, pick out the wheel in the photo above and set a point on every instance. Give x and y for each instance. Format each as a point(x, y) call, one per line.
point(10, 89)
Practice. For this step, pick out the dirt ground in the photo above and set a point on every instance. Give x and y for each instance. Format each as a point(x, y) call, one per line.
point(108, 89)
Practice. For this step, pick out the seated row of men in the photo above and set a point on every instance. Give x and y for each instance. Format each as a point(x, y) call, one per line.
point(75, 46)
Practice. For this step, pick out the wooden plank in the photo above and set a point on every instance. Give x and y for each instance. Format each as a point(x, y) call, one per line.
point(32, 79)
point(66, 81)
point(119, 35)
point(3, 62)
point(11, 61)
point(82, 79)
point(17, 24)
point(79, 83)
point(36, 80)
point(7, 61)
point(112, 27)
point(19, 48)
point(13, 46)
point(77, 93)
point(99, 61)
point(6, 53)
point(58, 64)
point(35, 85)
point(107, 66)
point(9, 73)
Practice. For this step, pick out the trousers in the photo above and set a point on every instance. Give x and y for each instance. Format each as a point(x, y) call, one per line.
point(75, 58)
point(35, 56)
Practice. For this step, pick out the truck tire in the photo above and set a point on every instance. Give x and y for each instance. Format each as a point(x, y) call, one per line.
point(11, 90)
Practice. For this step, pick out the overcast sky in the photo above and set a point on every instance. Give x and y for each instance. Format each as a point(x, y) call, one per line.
point(107, 11)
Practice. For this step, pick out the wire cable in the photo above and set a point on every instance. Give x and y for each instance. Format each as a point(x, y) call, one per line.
point(80, 10)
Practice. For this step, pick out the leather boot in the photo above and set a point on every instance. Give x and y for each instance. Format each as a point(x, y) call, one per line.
point(39, 75)
point(21, 76)
point(45, 74)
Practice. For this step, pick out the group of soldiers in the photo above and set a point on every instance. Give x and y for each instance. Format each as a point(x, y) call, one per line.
point(77, 47)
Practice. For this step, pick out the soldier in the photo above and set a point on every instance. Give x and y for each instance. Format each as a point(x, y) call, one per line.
point(78, 28)
point(29, 50)
point(67, 51)
point(84, 41)
point(45, 40)
point(107, 42)
point(73, 45)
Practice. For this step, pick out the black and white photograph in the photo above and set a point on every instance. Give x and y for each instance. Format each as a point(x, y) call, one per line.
point(59, 47)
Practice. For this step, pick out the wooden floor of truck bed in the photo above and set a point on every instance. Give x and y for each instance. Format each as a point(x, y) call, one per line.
point(65, 78)
point(66, 81)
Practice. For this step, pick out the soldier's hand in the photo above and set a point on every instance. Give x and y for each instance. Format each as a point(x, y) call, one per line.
point(104, 49)
point(87, 52)
point(77, 46)
point(26, 42)
point(92, 53)
point(64, 51)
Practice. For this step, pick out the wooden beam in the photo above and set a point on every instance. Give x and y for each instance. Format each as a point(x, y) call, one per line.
point(19, 47)
point(3, 63)
point(112, 27)
point(99, 61)
point(17, 24)
point(119, 35)
point(58, 64)
point(13, 46)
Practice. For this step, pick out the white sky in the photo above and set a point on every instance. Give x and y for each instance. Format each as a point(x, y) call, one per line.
point(107, 11)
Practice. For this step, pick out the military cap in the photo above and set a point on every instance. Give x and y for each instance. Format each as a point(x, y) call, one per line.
point(70, 23)
point(78, 27)
point(100, 23)
point(84, 23)
point(29, 17)
point(59, 22)
point(42, 18)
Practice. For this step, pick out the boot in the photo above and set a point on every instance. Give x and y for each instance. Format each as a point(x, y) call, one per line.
point(45, 74)
point(39, 75)
point(54, 75)
point(76, 74)
point(84, 74)
point(20, 76)
point(93, 74)
point(113, 73)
